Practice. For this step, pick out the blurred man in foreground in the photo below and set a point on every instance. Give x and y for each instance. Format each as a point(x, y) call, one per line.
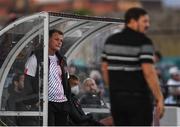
point(129, 70)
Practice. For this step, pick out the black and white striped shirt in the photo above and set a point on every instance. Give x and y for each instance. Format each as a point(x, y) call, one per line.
point(125, 52)
point(55, 89)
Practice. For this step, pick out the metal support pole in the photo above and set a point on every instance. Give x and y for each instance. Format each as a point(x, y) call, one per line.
point(45, 74)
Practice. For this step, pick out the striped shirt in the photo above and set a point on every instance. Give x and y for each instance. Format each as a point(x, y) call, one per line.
point(55, 91)
point(125, 52)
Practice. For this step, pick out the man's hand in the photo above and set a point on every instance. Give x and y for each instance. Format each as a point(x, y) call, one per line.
point(160, 108)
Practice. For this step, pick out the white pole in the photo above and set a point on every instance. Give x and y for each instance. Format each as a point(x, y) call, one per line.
point(45, 75)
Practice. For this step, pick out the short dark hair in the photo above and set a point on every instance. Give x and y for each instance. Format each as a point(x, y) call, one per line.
point(134, 13)
point(73, 77)
point(54, 31)
point(15, 78)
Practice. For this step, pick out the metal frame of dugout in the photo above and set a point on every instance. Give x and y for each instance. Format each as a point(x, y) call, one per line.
point(19, 38)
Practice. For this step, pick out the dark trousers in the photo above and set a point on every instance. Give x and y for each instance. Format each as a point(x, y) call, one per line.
point(57, 113)
point(129, 110)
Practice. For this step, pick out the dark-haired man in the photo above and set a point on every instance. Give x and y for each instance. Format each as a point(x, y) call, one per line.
point(128, 68)
point(58, 88)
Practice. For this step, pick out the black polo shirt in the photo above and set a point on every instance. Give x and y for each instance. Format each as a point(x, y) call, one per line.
point(125, 52)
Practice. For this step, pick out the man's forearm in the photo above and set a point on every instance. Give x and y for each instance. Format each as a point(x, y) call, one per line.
point(105, 74)
point(153, 81)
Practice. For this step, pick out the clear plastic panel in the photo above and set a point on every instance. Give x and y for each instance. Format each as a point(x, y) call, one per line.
point(89, 51)
point(86, 57)
point(80, 31)
point(10, 39)
point(22, 91)
point(16, 75)
point(75, 34)
point(65, 24)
